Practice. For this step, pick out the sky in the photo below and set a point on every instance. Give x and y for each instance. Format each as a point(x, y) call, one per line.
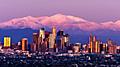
point(98, 11)
point(92, 10)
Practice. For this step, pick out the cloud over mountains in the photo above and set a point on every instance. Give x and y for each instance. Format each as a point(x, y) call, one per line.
point(61, 21)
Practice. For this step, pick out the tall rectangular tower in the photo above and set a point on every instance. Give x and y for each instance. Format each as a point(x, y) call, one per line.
point(7, 42)
point(24, 44)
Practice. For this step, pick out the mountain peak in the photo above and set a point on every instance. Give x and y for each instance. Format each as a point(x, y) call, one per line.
point(59, 20)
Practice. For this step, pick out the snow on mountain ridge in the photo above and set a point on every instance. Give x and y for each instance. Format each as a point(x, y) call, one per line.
point(59, 20)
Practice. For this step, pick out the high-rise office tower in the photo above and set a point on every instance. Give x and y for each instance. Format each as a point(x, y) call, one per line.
point(35, 41)
point(33, 47)
point(24, 43)
point(60, 40)
point(42, 33)
point(51, 41)
point(46, 40)
point(97, 47)
point(35, 38)
point(111, 47)
point(104, 47)
point(92, 41)
point(54, 34)
point(7, 42)
point(66, 40)
point(54, 31)
point(101, 48)
point(41, 39)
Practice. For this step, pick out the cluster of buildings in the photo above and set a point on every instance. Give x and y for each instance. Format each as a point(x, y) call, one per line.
point(58, 41)
point(43, 41)
point(53, 41)
point(96, 46)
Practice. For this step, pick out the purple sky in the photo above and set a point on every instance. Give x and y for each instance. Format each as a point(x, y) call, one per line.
point(92, 10)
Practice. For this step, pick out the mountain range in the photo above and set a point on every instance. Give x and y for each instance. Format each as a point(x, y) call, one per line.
point(78, 28)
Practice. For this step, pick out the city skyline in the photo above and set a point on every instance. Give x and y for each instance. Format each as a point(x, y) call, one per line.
point(43, 31)
point(59, 41)
point(59, 33)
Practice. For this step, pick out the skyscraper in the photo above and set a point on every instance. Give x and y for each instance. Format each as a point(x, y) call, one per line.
point(24, 44)
point(42, 33)
point(97, 46)
point(7, 42)
point(60, 40)
point(54, 34)
point(92, 41)
point(94, 44)
point(51, 41)
point(54, 31)
point(111, 47)
point(101, 48)
point(35, 41)
point(46, 40)
point(35, 38)
point(41, 39)
point(33, 47)
point(66, 40)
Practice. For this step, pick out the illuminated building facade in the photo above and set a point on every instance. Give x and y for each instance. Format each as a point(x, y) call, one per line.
point(111, 47)
point(76, 48)
point(92, 42)
point(51, 41)
point(60, 40)
point(118, 49)
point(85, 48)
point(42, 33)
point(45, 41)
point(7, 42)
point(33, 47)
point(97, 47)
point(41, 40)
point(66, 40)
point(35, 41)
point(54, 32)
point(24, 43)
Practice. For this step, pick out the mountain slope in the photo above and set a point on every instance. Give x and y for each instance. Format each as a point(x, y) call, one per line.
point(60, 21)
point(78, 28)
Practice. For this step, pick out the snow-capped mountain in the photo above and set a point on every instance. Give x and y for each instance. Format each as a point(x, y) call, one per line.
point(78, 28)
point(60, 21)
